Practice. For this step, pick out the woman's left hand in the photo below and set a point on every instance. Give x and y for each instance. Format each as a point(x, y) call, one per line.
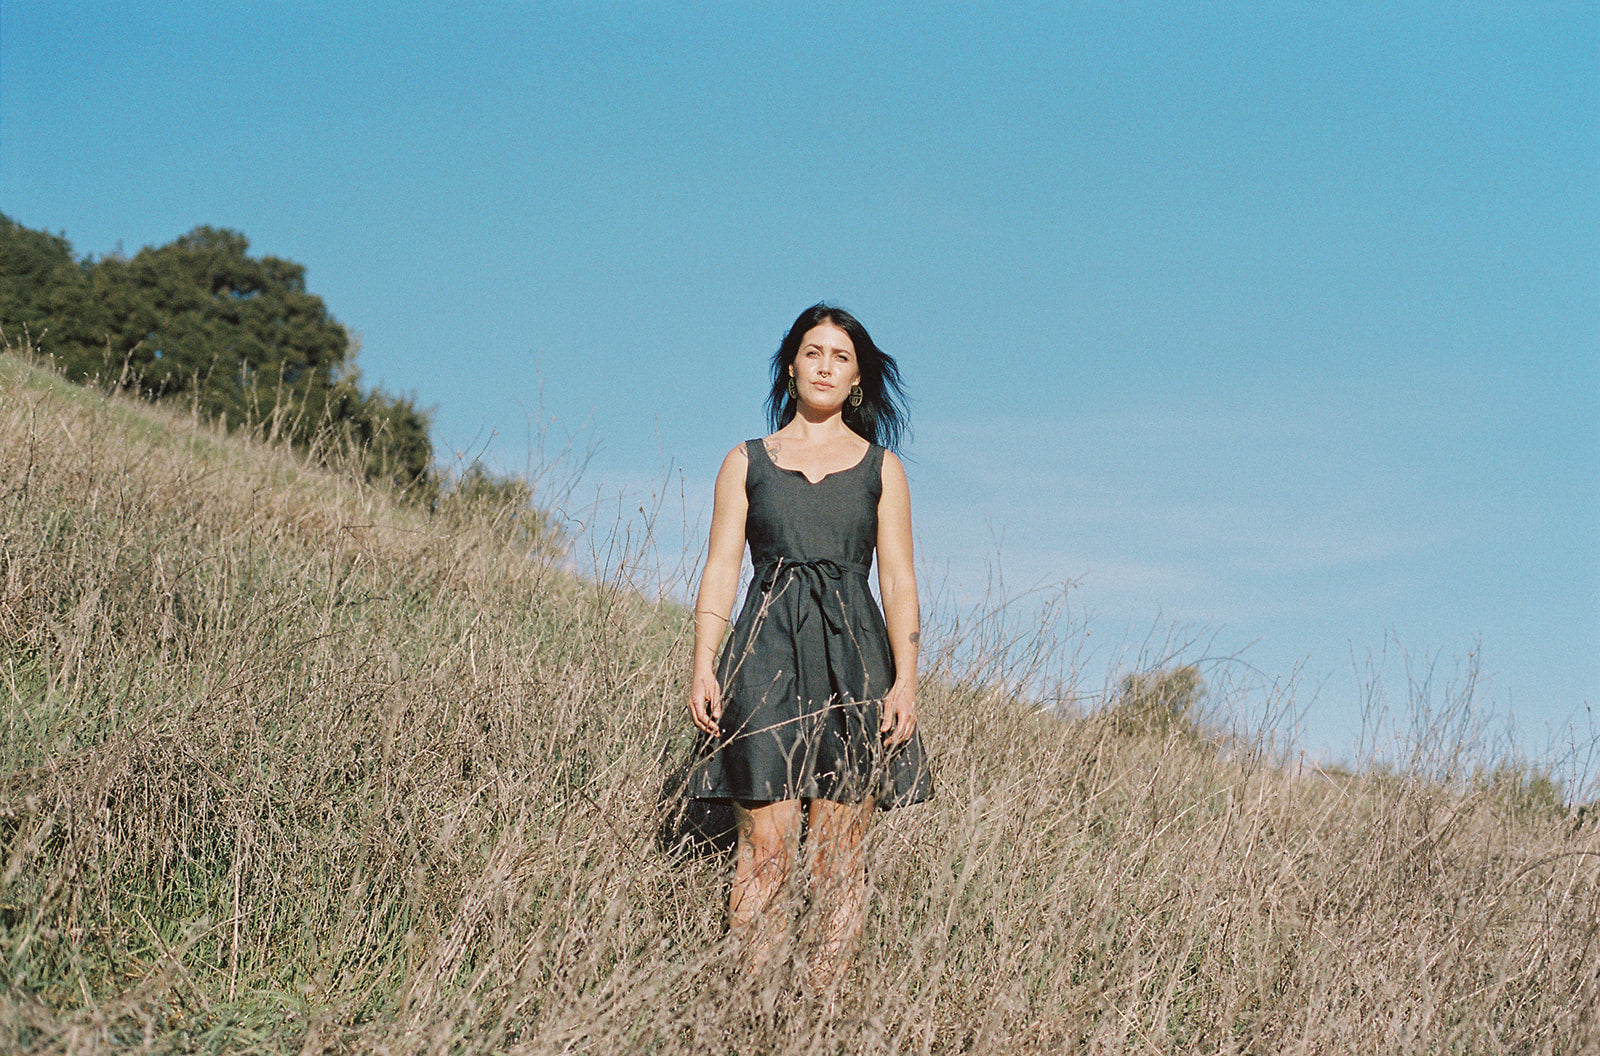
point(899, 720)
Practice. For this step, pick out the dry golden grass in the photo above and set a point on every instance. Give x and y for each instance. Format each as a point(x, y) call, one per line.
point(289, 767)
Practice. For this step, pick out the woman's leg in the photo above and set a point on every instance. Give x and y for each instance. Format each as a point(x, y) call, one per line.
point(769, 833)
point(835, 844)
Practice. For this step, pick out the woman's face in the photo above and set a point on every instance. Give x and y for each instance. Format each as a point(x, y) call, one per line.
point(825, 367)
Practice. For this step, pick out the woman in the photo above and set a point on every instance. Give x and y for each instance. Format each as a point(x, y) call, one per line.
point(809, 714)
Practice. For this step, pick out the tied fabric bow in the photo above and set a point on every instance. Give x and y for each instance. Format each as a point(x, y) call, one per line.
point(824, 640)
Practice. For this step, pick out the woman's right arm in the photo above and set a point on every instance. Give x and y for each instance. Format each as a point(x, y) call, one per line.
point(713, 606)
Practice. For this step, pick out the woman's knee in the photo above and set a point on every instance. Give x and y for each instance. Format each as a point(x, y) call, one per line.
point(836, 840)
point(764, 858)
point(768, 835)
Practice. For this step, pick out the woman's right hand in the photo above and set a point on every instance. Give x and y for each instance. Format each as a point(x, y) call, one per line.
point(718, 584)
point(705, 704)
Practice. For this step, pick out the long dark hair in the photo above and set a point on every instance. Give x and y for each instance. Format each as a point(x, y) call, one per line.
point(881, 418)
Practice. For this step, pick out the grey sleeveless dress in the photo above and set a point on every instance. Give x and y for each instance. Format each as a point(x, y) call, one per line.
point(807, 662)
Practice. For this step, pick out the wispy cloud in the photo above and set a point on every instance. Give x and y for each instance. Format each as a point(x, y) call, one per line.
point(1225, 512)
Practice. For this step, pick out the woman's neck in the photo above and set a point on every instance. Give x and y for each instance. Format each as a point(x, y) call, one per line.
point(816, 427)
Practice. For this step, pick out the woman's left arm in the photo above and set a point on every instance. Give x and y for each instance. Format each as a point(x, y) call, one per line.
point(897, 583)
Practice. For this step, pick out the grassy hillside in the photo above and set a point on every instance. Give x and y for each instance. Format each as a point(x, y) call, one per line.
point(287, 766)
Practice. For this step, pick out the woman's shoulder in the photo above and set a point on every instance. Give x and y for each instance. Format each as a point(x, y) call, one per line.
point(736, 460)
point(889, 465)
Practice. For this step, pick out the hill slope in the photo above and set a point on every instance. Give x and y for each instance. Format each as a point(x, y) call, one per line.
point(286, 766)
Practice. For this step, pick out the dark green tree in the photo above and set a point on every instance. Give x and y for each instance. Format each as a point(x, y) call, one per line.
point(201, 316)
point(45, 296)
point(202, 321)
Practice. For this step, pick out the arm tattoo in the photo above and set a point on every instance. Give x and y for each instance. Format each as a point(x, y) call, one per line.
point(916, 636)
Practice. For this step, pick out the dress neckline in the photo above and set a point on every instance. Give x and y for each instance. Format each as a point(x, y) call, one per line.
point(762, 444)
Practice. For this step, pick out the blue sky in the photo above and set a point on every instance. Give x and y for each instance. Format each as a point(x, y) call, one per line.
point(1267, 326)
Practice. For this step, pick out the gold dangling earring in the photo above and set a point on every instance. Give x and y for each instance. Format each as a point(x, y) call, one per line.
point(855, 395)
point(794, 393)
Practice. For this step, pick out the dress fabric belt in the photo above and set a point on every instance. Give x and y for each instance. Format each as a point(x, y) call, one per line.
point(824, 640)
point(825, 565)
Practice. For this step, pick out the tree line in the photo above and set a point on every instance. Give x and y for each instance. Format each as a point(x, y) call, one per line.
point(202, 322)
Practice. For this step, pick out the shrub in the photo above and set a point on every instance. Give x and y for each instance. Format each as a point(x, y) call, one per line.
point(1159, 702)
